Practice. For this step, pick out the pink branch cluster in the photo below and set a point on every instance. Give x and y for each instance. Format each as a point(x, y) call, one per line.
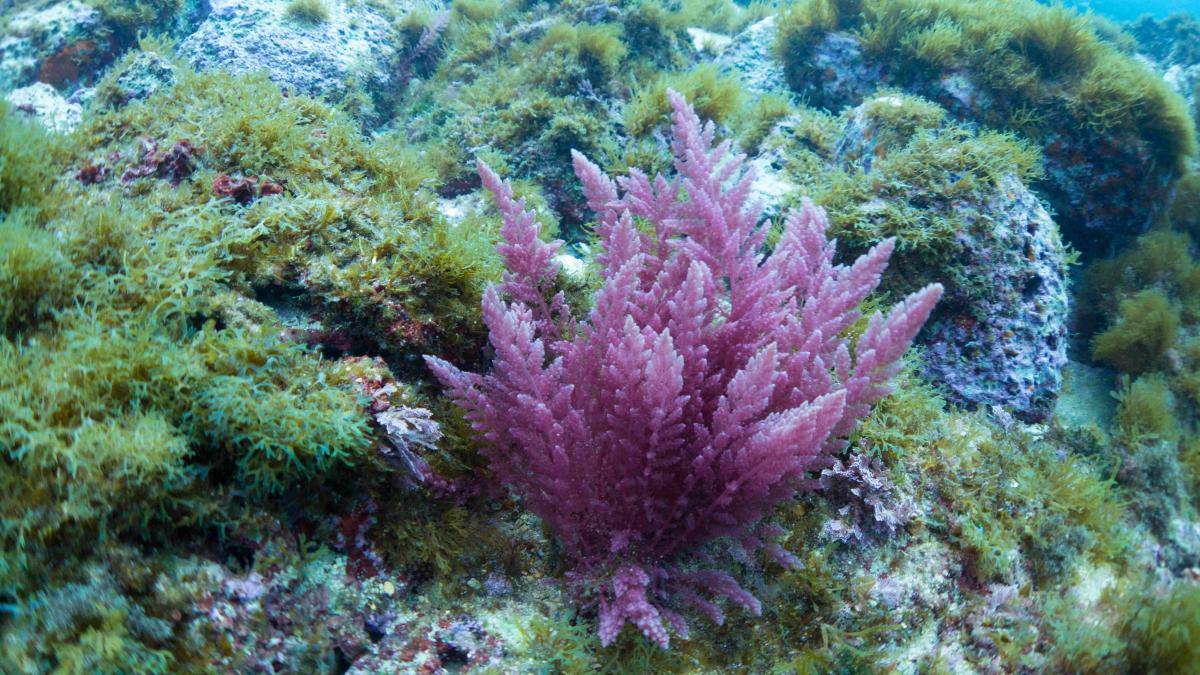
point(707, 381)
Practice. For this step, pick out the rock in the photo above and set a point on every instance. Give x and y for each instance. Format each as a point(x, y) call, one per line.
point(59, 43)
point(704, 41)
point(841, 75)
point(41, 102)
point(137, 77)
point(1102, 184)
point(319, 59)
point(1086, 397)
point(772, 185)
point(1015, 357)
point(1185, 81)
point(750, 57)
point(1000, 337)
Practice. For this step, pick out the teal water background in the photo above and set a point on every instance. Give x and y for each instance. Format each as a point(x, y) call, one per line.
point(1125, 10)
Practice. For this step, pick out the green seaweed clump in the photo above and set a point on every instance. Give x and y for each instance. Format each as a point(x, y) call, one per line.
point(715, 97)
point(174, 280)
point(1147, 325)
point(1162, 631)
point(126, 612)
point(799, 26)
point(27, 160)
point(1043, 58)
point(313, 12)
point(1146, 410)
point(1185, 206)
point(1175, 39)
point(130, 19)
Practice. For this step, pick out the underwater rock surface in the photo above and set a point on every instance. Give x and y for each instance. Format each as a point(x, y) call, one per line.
point(315, 56)
point(749, 57)
point(43, 103)
point(58, 43)
point(1009, 346)
point(1102, 183)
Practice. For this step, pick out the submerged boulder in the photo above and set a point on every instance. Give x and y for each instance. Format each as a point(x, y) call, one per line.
point(999, 336)
point(332, 50)
point(136, 77)
point(963, 216)
point(1105, 132)
point(42, 103)
point(749, 57)
point(1013, 356)
point(59, 43)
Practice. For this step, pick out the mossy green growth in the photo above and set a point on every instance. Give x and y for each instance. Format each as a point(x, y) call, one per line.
point(799, 27)
point(1058, 42)
point(130, 19)
point(1117, 93)
point(1174, 39)
point(715, 97)
point(1161, 630)
point(154, 372)
point(1146, 326)
point(1009, 497)
point(1009, 500)
point(1189, 462)
point(597, 48)
point(1146, 410)
point(1135, 626)
point(27, 160)
point(35, 278)
point(476, 11)
point(921, 171)
point(1159, 261)
point(757, 119)
point(1185, 206)
point(112, 620)
point(312, 12)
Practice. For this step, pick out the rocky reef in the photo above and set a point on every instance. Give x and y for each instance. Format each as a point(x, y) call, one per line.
point(231, 231)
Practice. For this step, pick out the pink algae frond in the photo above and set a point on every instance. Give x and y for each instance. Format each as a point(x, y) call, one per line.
point(707, 381)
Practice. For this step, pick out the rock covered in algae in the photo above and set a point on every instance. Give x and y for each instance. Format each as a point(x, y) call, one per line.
point(309, 54)
point(1001, 339)
point(59, 43)
point(43, 103)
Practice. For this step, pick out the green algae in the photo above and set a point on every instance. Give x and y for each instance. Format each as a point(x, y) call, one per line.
point(1147, 325)
point(146, 388)
point(313, 12)
point(715, 97)
point(1048, 58)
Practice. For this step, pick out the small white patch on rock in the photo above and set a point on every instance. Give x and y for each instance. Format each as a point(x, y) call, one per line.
point(572, 267)
point(43, 103)
point(708, 42)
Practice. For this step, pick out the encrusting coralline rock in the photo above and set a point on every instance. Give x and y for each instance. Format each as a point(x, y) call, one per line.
point(1099, 183)
point(749, 56)
point(319, 59)
point(1015, 356)
point(59, 43)
point(139, 77)
point(1002, 340)
point(41, 102)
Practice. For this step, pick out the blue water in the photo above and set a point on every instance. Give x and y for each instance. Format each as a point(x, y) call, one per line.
point(1125, 10)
